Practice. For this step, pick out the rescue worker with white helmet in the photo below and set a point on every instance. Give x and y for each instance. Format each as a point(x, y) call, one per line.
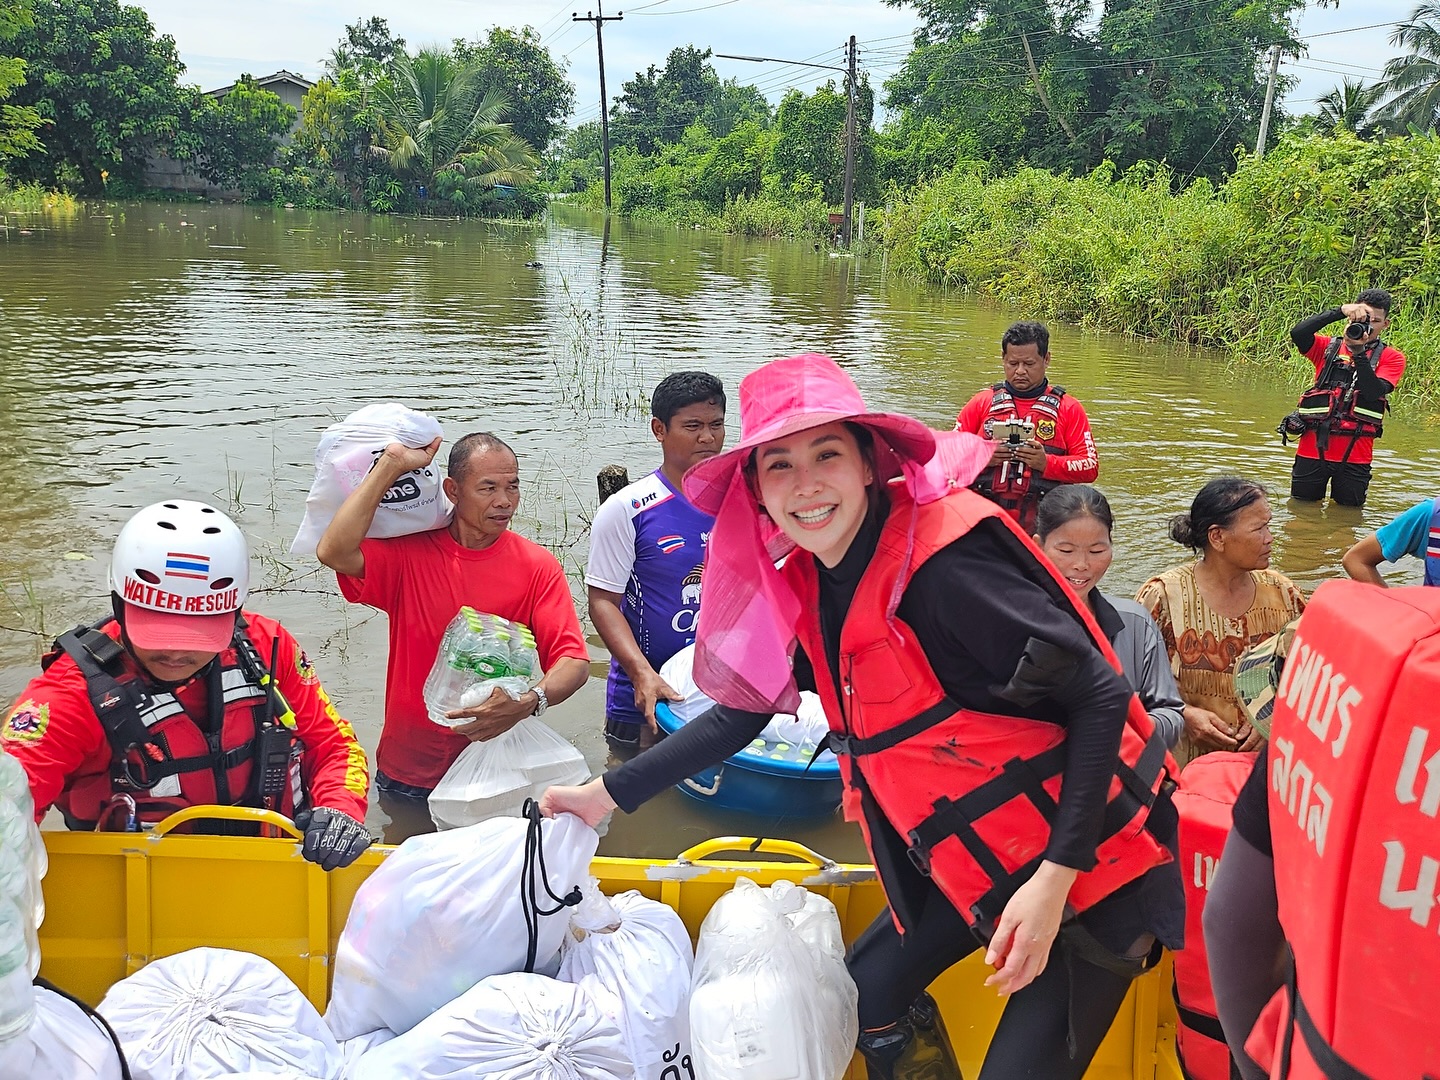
point(181, 697)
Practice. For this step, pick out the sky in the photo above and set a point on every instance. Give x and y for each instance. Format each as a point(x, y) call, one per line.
point(217, 44)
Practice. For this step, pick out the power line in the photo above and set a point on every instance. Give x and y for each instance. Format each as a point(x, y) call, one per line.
point(686, 11)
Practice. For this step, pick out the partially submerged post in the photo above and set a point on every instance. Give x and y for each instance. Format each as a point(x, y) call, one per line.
point(611, 479)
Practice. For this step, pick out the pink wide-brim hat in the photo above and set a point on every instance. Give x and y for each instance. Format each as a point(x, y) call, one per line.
point(792, 395)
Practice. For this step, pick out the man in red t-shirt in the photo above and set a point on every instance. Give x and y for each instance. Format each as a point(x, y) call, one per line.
point(422, 581)
point(1056, 449)
point(1341, 414)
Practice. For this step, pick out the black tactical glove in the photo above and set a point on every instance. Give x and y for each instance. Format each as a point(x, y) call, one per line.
point(332, 839)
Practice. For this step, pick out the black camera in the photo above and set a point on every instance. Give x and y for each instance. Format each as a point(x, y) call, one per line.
point(1358, 329)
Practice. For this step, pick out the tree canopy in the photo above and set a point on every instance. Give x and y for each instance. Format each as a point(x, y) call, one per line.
point(511, 63)
point(17, 122)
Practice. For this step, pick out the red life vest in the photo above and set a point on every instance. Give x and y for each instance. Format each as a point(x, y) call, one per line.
point(1205, 801)
point(160, 756)
point(971, 793)
point(1009, 483)
point(1354, 800)
point(1334, 405)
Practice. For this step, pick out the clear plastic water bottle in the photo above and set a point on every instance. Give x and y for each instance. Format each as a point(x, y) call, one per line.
point(17, 994)
point(477, 653)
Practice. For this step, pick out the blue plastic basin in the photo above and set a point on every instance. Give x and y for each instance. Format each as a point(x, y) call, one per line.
point(763, 779)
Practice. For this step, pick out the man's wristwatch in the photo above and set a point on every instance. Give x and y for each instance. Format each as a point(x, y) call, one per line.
point(543, 703)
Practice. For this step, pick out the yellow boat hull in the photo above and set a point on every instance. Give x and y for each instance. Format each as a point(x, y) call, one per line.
point(115, 901)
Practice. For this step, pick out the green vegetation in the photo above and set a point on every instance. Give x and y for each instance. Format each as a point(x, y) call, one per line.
point(33, 199)
point(1234, 267)
point(17, 122)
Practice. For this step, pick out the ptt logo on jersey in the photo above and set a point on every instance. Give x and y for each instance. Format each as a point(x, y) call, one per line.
point(1045, 430)
point(646, 501)
point(673, 542)
point(26, 723)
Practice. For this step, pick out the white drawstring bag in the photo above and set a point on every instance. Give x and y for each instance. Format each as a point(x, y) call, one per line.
point(347, 452)
point(678, 673)
point(446, 910)
point(509, 1027)
point(494, 778)
point(215, 1012)
point(352, 1050)
point(633, 956)
point(62, 1043)
point(771, 995)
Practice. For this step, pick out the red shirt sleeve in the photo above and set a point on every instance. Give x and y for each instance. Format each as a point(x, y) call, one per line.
point(556, 626)
point(1391, 365)
point(54, 734)
point(1316, 355)
point(1079, 464)
point(380, 587)
point(334, 767)
point(972, 416)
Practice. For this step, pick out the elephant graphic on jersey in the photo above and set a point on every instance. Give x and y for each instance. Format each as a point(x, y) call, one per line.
point(690, 588)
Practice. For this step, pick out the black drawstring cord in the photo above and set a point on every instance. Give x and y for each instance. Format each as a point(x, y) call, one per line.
point(95, 1018)
point(529, 895)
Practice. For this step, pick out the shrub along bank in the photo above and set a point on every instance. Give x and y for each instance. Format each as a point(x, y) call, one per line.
point(1234, 267)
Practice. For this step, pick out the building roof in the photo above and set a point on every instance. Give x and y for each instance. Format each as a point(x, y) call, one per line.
point(281, 76)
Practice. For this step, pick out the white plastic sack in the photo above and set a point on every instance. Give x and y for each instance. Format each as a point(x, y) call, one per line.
point(678, 673)
point(352, 1050)
point(509, 1027)
point(215, 1012)
point(808, 727)
point(62, 1044)
point(347, 451)
point(494, 778)
point(633, 956)
point(771, 997)
point(443, 912)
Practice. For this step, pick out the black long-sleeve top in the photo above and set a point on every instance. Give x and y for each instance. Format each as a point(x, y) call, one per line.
point(975, 611)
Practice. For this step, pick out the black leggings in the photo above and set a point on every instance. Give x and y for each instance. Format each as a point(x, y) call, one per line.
point(1031, 1041)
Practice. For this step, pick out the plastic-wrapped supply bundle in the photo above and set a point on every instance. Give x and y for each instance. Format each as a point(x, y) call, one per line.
point(494, 778)
point(509, 1027)
point(62, 1044)
point(771, 997)
point(345, 456)
point(216, 1012)
point(478, 654)
point(633, 956)
point(447, 910)
point(22, 905)
point(352, 1050)
point(807, 728)
point(679, 674)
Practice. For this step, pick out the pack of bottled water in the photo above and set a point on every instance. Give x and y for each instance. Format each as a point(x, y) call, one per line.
point(22, 905)
point(478, 654)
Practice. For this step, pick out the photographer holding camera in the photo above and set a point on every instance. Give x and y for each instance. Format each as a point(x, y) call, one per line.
point(1041, 435)
point(1339, 418)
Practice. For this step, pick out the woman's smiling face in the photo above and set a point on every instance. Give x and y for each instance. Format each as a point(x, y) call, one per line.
point(814, 485)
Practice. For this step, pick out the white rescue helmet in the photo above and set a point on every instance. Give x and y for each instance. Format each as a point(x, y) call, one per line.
point(182, 570)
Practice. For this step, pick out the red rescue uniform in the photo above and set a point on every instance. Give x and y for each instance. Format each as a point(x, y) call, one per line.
point(55, 734)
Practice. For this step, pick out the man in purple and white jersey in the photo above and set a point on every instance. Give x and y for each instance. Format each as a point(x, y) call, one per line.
point(647, 551)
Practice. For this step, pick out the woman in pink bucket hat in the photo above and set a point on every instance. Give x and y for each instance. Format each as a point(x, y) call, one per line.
point(1012, 791)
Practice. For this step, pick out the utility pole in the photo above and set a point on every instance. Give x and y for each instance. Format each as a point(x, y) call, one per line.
point(1269, 100)
point(852, 90)
point(599, 18)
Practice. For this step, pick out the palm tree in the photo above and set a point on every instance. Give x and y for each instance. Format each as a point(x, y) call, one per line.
point(1348, 107)
point(1412, 82)
point(434, 117)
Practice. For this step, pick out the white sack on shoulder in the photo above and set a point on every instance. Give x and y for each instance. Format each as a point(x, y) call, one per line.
point(441, 913)
point(509, 1027)
point(215, 1012)
point(494, 778)
point(344, 457)
point(62, 1044)
point(633, 956)
point(771, 996)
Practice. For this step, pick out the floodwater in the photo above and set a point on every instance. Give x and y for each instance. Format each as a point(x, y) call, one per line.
point(161, 351)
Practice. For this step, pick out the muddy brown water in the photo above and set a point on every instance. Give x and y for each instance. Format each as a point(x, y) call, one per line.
point(152, 351)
